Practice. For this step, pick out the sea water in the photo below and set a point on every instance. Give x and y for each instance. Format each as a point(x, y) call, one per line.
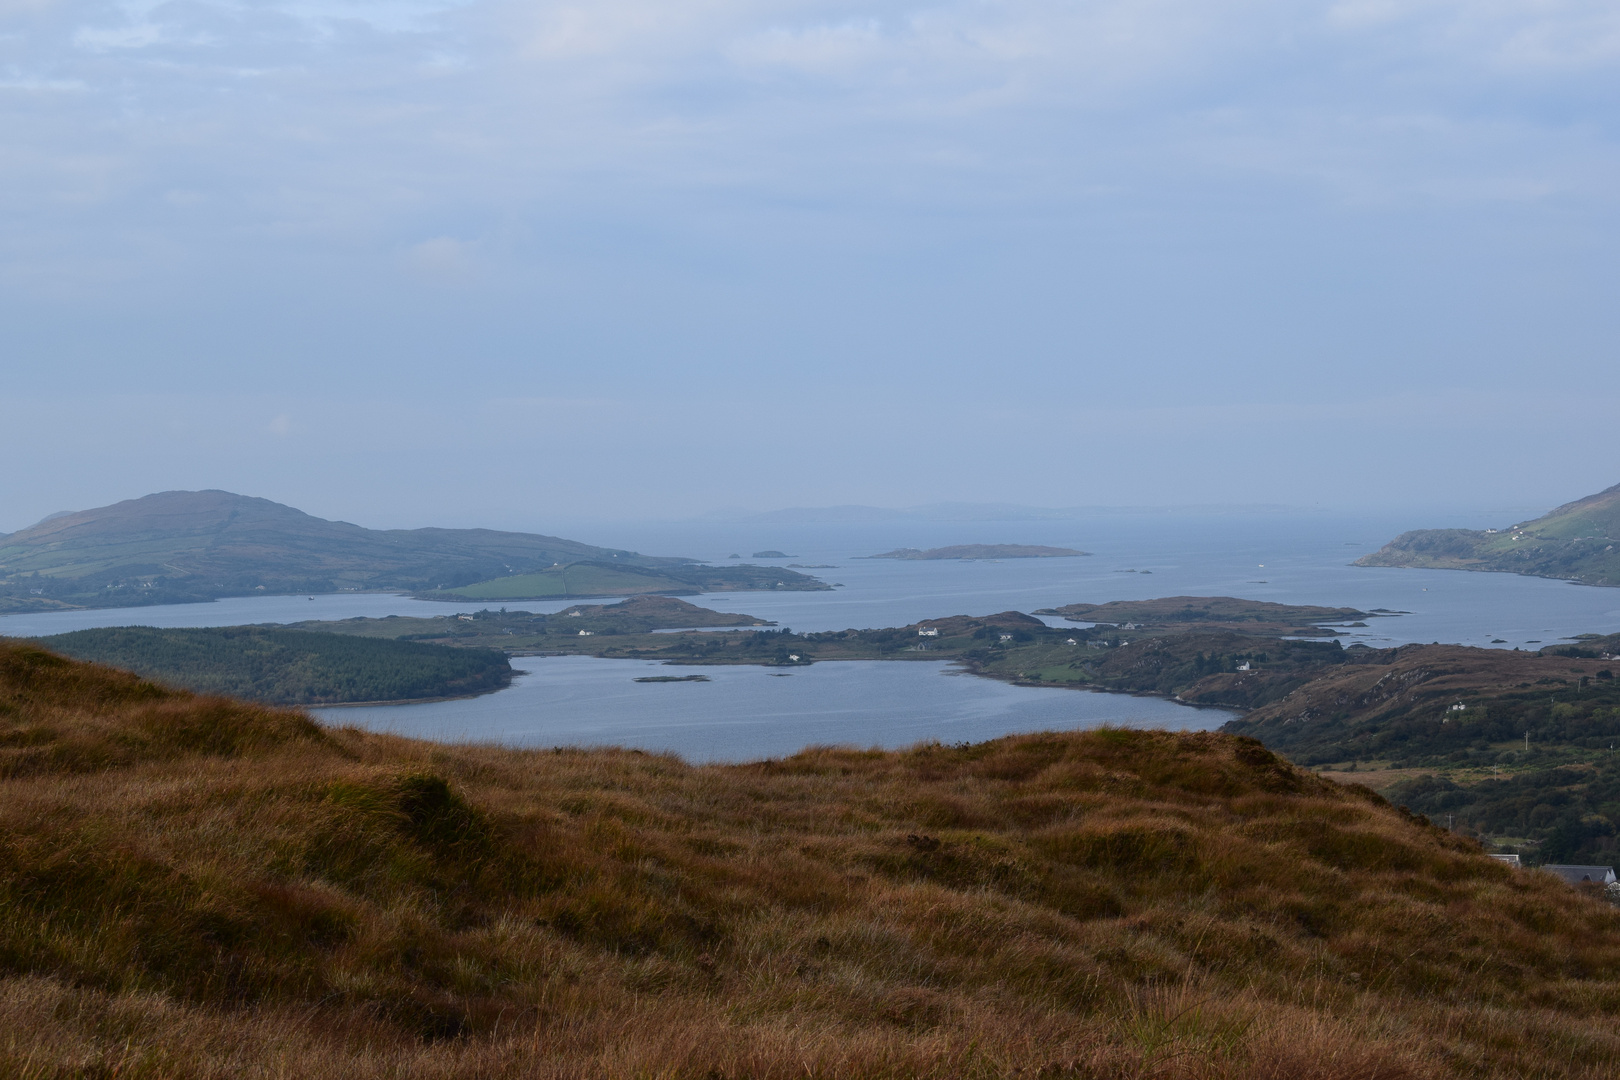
point(747, 712)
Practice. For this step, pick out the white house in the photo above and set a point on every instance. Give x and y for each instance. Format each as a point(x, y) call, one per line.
point(928, 631)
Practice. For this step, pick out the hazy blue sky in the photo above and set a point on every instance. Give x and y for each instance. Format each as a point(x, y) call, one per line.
point(513, 261)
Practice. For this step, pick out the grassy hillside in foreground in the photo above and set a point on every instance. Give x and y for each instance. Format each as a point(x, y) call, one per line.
point(1576, 541)
point(289, 667)
point(191, 887)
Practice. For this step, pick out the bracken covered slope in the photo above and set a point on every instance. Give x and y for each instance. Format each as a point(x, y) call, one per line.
point(194, 887)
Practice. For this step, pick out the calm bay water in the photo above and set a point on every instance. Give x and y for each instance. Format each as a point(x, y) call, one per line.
point(1303, 559)
point(746, 712)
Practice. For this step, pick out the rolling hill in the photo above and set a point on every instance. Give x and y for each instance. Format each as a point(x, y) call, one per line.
point(1576, 541)
point(181, 546)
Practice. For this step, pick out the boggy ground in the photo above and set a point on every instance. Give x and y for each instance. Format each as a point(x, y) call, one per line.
point(195, 887)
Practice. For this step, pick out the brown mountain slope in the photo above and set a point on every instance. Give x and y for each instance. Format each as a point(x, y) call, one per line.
point(195, 888)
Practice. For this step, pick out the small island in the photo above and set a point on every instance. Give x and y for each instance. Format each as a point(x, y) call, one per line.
point(983, 551)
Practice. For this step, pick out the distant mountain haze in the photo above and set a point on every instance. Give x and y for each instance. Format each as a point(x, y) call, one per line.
point(1579, 541)
point(179, 546)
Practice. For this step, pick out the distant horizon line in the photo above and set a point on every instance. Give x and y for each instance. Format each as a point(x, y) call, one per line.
point(861, 513)
point(957, 511)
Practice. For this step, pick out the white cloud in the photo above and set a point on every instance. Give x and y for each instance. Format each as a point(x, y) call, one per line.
point(442, 258)
point(138, 36)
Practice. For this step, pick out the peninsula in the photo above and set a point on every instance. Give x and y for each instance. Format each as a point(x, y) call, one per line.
point(1577, 541)
point(982, 551)
point(189, 546)
point(523, 632)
